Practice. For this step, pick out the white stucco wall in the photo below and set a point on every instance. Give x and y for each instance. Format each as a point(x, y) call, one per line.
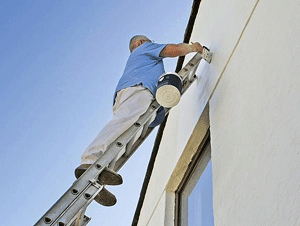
point(255, 122)
point(253, 89)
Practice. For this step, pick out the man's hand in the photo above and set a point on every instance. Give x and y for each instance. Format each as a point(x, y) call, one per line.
point(175, 50)
point(198, 47)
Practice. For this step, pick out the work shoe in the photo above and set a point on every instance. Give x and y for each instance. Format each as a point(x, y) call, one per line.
point(110, 177)
point(106, 198)
point(107, 176)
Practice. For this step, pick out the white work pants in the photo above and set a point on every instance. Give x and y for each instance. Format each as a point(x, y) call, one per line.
point(130, 104)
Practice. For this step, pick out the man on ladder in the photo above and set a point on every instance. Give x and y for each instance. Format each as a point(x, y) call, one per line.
point(134, 93)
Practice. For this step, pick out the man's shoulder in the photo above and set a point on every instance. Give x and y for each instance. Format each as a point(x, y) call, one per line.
point(150, 49)
point(149, 46)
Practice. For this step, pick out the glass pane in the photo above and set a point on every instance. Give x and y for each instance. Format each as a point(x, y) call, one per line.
point(200, 209)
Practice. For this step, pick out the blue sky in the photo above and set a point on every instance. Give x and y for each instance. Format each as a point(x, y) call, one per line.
point(59, 64)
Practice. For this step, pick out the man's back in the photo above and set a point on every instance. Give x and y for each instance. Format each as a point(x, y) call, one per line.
point(144, 66)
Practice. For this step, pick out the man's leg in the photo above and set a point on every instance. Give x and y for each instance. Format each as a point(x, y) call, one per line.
point(130, 104)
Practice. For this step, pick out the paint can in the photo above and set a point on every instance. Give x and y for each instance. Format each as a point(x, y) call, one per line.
point(169, 89)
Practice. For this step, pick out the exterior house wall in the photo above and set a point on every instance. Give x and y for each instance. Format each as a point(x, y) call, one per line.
point(252, 87)
point(255, 123)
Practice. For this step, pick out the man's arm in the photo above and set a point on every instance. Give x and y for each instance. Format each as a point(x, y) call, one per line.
point(175, 50)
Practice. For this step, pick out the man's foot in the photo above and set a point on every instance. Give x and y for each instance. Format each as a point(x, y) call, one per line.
point(106, 198)
point(107, 176)
point(110, 177)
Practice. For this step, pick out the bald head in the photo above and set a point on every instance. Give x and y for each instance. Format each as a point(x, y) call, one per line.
point(137, 40)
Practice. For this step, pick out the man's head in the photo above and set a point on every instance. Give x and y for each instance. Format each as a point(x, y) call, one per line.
point(136, 41)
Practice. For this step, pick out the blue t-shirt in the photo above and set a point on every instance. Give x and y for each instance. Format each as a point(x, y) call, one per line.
point(144, 66)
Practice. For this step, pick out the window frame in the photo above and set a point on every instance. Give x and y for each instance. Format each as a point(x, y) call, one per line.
point(202, 151)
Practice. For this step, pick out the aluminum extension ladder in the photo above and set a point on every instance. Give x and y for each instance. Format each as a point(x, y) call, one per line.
point(70, 209)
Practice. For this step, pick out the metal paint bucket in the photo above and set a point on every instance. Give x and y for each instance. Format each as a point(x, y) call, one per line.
point(169, 89)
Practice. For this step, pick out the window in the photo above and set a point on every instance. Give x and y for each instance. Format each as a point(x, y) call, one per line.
point(194, 197)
